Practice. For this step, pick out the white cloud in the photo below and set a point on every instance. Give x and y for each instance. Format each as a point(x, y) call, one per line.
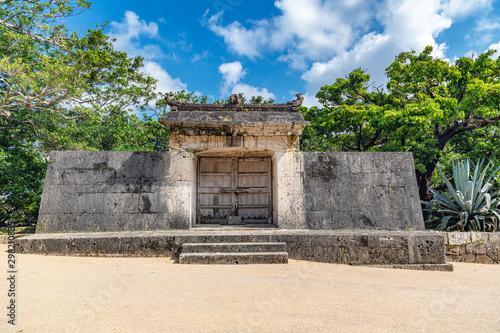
point(200, 56)
point(240, 40)
point(250, 91)
point(407, 25)
point(165, 82)
point(328, 39)
point(128, 33)
point(484, 33)
point(488, 24)
point(461, 8)
point(232, 73)
point(310, 100)
point(496, 47)
point(306, 30)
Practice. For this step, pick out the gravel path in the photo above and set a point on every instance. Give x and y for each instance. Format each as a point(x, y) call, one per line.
point(81, 294)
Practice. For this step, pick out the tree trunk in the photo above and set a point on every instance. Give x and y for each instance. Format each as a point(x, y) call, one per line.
point(424, 180)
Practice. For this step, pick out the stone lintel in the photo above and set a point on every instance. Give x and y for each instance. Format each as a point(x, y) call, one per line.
point(235, 123)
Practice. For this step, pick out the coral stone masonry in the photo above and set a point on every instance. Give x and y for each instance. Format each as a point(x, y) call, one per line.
point(473, 247)
point(231, 165)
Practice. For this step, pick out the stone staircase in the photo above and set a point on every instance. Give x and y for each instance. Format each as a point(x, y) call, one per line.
point(234, 253)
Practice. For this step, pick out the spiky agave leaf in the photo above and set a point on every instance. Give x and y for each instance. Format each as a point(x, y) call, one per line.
point(467, 205)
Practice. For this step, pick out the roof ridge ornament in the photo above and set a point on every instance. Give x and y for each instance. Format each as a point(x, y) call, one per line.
point(297, 102)
point(235, 99)
point(235, 105)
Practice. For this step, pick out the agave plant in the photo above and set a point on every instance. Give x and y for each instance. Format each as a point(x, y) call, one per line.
point(468, 205)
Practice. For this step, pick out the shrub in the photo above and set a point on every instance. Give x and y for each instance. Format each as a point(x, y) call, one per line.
point(468, 205)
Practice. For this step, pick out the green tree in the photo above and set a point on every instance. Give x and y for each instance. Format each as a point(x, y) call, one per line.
point(21, 179)
point(427, 104)
point(62, 90)
point(48, 75)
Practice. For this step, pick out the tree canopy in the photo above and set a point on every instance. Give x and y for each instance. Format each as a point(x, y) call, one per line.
point(63, 90)
point(429, 107)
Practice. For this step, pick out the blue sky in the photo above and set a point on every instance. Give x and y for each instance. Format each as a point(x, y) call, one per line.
point(277, 49)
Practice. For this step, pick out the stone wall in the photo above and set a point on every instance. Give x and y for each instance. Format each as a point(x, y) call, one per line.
point(116, 191)
point(127, 191)
point(360, 191)
point(473, 247)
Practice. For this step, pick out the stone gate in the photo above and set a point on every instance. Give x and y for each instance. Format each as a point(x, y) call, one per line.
point(230, 164)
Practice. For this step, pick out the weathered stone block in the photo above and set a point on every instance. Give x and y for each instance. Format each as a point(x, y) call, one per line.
point(54, 175)
point(183, 167)
point(409, 219)
point(371, 179)
point(452, 258)
point(354, 163)
point(494, 238)
point(157, 164)
point(343, 220)
point(79, 160)
point(153, 202)
point(476, 237)
point(88, 177)
point(475, 248)
point(458, 238)
point(426, 247)
point(399, 162)
point(55, 223)
point(86, 203)
point(483, 259)
point(467, 257)
point(324, 167)
point(336, 201)
point(319, 220)
point(452, 250)
point(121, 203)
point(493, 251)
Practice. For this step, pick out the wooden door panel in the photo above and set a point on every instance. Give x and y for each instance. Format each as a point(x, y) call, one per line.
point(253, 165)
point(222, 199)
point(214, 215)
point(216, 165)
point(253, 180)
point(234, 186)
point(253, 198)
point(215, 180)
point(253, 215)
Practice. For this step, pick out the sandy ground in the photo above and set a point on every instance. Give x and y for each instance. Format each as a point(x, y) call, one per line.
point(80, 294)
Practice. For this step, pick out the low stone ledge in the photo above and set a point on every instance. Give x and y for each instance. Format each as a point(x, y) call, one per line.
point(344, 247)
point(4, 239)
point(473, 247)
point(420, 267)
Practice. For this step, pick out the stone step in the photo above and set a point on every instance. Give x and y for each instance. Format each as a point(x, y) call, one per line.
point(233, 247)
point(234, 258)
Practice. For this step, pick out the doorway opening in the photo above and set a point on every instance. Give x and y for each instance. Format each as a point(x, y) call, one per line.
point(234, 191)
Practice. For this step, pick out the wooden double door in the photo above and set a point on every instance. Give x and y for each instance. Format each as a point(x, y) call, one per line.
point(234, 190)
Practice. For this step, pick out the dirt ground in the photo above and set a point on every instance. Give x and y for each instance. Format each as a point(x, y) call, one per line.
point(82, 294)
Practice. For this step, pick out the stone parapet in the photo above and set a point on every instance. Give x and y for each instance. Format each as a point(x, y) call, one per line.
point(473, 247)
point(329, 246)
